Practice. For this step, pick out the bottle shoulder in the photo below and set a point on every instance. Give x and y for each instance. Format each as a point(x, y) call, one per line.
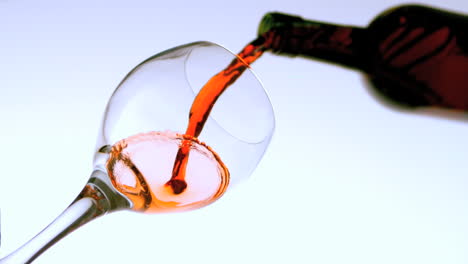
point(422, 50)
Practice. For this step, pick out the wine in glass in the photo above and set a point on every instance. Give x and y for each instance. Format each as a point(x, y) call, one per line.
point(172, 139)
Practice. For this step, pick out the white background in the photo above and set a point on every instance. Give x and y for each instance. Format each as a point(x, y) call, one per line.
point(345, 180)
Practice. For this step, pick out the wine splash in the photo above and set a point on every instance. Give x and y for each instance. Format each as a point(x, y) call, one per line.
point(140, 165)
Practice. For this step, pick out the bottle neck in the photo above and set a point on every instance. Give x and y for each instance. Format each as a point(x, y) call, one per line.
point(293, 36)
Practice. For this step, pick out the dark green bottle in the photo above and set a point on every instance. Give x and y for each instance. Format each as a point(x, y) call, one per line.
point(415, 56)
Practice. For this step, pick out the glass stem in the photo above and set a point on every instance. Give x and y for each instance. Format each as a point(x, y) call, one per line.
point(92, 202)
point(77, 214)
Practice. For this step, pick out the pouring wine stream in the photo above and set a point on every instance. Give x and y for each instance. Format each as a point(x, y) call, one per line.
point(204, 102)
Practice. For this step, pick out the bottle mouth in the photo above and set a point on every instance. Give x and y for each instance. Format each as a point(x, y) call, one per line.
point(275, 20)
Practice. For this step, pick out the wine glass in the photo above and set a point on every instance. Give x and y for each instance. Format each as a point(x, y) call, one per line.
point(142, 132)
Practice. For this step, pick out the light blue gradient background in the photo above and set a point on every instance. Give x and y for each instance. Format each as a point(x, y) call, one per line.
point(345, 180)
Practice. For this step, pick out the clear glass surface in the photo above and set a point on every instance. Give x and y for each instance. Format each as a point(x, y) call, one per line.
point(154, 98)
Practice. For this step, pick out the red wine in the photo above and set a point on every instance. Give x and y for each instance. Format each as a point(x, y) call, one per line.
point(166, 171)
point(204, 102)
point(415, 56)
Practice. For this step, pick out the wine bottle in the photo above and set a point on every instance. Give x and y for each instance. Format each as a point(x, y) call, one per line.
point(414, 56)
